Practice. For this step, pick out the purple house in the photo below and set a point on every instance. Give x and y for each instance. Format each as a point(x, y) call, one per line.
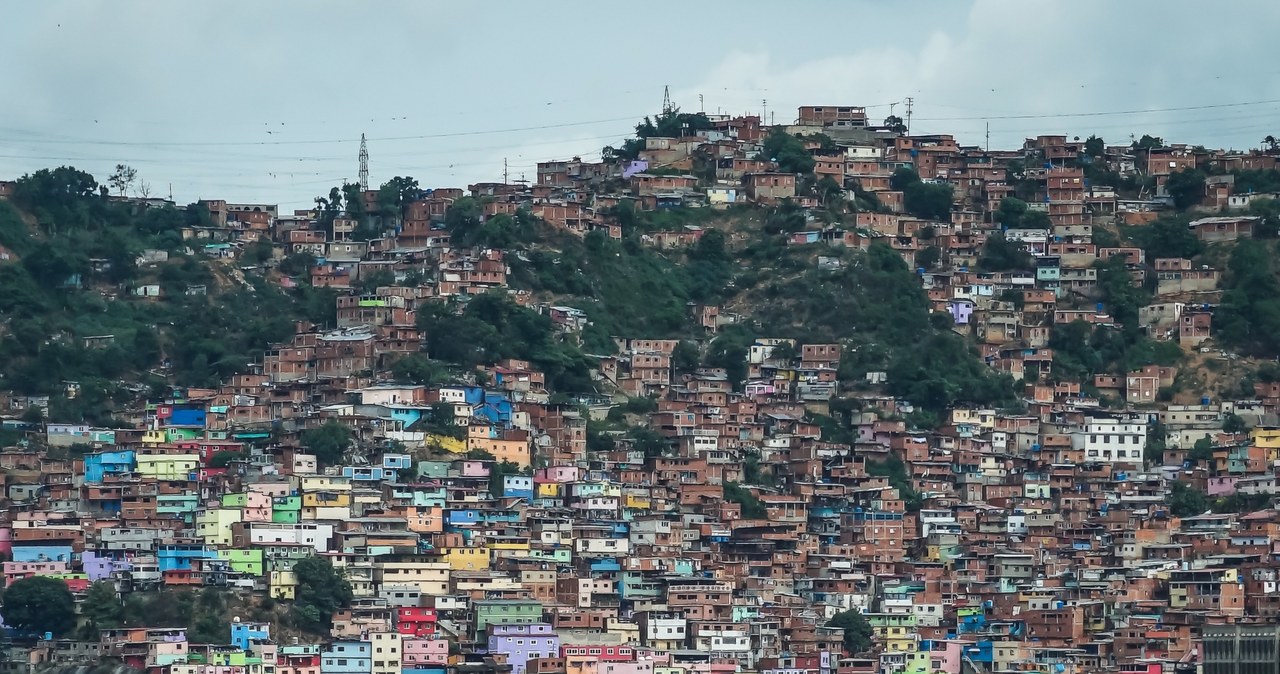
point(521, 643)
point(99, 568)
point(635, 166)
point(960, 310)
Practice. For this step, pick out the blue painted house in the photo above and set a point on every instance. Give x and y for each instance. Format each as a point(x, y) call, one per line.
point(179, 556)
point(100, 464)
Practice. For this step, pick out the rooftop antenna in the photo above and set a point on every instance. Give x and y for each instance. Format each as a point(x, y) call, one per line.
point(364, 164)
point(666, 100)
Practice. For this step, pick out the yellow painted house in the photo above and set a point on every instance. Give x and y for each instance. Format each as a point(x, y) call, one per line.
point(326, 499)
point(214, 525)
point(509, 549)
point(1268, 438)
point(283, 585)
point(637, 501)
point(167, 466)
point(467, 559)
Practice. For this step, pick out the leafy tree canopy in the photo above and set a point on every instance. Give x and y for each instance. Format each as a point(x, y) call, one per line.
point(328, 442)
point(857, 631)
point(39, 604)
point(321, 591)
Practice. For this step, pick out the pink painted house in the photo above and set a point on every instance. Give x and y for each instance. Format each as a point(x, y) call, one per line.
point(416, 652)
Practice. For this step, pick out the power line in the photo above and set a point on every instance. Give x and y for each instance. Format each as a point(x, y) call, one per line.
point(1099, 114)
point(454, 134)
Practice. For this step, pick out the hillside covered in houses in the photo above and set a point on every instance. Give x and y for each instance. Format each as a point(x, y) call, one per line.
point(817, 398)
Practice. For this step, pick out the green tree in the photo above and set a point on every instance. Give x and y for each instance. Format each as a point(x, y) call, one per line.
point(895, 124)
point(1095, 147)
point(788, 151)
point(123, 178)
point(39, 604)
point(224, 458)
point(710, 266)
point(320, 591)
point(1157, 441)
point(297, 264)
point(785, 218)
point(928, 201)
point(647, 441)
point(417, 368)
point(380, 278)
point(1011, 211)
point(207, 621)
point(1233, 423)
point(902, 178)
point(729, 352)
point(328, 442)
point(498, 472)
point(685, 357)
point(1186, 501)
point(101, 609)
point(51, 265)
point(830, 194)
point(1201, 451)
point(857, 631)
point(1035, 220)
point(463, 220)
point(896, 470)
point(1186, 187)
point(1148, 142)
point(1168, 237)
point(1001, 254)
point(669, 124)
point(1120, 297)
point(395, 196)
point(929, 257)
point(752, 507)
point(1249, 315)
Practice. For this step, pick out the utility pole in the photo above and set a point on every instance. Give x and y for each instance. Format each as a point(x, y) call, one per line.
point(504, 170)
point(988, 136)
point(701, 108)
point(764, 111)
point(364, 164)
point(909, 102)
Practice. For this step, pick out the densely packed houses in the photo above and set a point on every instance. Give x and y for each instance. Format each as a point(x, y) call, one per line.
point(481, 531)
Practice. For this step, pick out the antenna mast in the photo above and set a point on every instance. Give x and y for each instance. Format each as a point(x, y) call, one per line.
point(666, 100)
point(364, 164)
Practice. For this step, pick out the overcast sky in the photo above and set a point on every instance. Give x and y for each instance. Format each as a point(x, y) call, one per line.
point(266, 101)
